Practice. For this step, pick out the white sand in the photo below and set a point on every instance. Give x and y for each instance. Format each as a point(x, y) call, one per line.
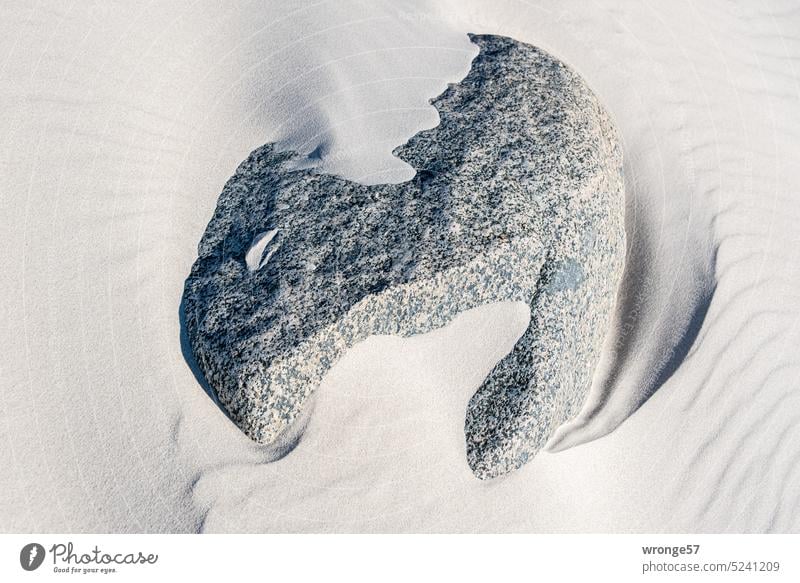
point(120, 124)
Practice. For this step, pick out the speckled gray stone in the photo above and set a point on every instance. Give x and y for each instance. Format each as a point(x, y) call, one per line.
point(518, 196)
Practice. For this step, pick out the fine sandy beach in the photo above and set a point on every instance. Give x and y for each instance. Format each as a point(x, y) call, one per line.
point(121, 122)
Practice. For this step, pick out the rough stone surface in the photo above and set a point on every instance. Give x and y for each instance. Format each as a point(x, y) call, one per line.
point(518, 196)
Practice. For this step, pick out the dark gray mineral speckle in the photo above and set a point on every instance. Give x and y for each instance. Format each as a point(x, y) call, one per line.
point(518, 196)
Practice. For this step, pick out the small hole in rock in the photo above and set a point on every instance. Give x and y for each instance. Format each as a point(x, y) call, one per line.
point(255, 258)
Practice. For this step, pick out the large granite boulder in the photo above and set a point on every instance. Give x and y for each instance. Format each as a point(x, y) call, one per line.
point(518, 196)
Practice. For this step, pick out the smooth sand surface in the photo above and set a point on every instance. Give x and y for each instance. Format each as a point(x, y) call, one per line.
point(122, 121)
